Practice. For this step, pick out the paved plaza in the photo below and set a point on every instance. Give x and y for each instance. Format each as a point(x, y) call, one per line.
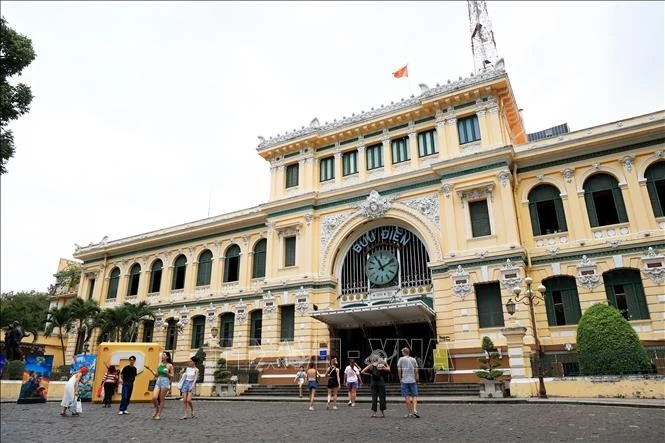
point(251, 421)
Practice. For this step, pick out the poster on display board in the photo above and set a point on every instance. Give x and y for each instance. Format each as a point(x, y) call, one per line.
point(85, 385)
point(36, 377)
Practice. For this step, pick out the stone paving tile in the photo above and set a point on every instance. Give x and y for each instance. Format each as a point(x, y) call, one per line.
point(223, 421)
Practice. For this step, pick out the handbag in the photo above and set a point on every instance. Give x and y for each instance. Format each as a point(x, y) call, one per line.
point(79, 406)
point(99, 390)
point(180, 382)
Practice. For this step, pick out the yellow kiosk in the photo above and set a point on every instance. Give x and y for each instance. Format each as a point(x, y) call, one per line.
point(147, 355)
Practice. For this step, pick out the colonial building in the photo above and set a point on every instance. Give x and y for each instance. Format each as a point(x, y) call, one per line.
point(411, 224)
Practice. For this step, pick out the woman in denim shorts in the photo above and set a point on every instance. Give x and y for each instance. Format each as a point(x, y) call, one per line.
point(187, 388)
point(162, 385)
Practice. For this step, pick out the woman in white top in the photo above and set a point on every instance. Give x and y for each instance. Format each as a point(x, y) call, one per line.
point(191, 375)
point(352, 380)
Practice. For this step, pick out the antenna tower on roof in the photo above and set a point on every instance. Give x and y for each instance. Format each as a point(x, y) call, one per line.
point(482, 37)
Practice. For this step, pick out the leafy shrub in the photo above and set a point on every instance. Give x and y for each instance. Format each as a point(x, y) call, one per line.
point(490, 362)
point(14, 369)
point(222, 374)
point(608, 345)
point(200, 356)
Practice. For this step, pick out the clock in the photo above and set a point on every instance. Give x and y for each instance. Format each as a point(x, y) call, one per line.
point(381, 267)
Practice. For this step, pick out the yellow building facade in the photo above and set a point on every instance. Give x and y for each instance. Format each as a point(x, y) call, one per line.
point(410, 224)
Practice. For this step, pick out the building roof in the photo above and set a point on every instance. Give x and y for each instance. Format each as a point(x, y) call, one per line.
point(554, 131)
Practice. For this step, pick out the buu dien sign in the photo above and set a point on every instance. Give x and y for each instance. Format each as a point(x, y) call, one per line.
point(388, 234)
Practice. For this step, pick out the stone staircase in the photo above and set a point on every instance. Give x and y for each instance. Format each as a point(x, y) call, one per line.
point(392, 389)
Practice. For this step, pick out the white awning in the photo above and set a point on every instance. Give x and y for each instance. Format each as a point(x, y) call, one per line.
point(367, 316)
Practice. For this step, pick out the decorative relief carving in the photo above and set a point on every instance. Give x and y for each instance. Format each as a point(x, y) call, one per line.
point(568, 174)
point(269, 306)
point(476, 193)
point(504, 177)
point(329, 225)
point(654, 266)
point(510, 276)
point(375, 206)
point(211, 312)
point(596, 166)
point(587, 277)
point(447, 189)
point(308, 219)
point(241, 311)
point(428, 206)
point(302, 301)
point(627, 163)
point(461, 282)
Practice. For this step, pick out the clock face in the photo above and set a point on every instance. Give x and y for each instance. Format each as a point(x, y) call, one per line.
point(381, 267)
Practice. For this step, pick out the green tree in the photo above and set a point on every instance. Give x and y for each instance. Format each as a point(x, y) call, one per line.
point(490, 362)
point(66, 280)
point(608, 345)
point(136, 314)
point(28, 308)
point(83, 315)
point(16, 53)
point(60, 318)
point(111, 322)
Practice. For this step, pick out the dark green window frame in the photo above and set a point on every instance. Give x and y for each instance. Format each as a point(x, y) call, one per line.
point(427, 143)
point(400, 150)
point(91, 288)
point(179, 272)
point(349, 163)
point(562, 301)
point(171, 335)
point(198, 331)
point(655, 175)
point(292, 172)
point(480, 218)
point(287, 322)
point(546, 210)
point(289, 251)
point(488, 302)
point(468, 129)
point(374, 156)
point(259, 259)
point(604, 201)
point(624, 291)
point(114, 281)
point(256, 327)
point(232, 264)
point(204, 271)
point(156, 276)
point(134, 279)
point(327, 169)
point(227, 322)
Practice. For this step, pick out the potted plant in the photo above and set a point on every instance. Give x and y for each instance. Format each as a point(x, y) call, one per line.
point(491, 386)
point(222, 378)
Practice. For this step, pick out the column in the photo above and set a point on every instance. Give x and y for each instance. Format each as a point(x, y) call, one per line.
point(362, 163)
point(387, 154)
point(520, 363)
point(413, 148)
point(452, 139)
point(338, 166)
point(273, 182)
point(493, 123)
point(302, 187)
point(441, 135)
point(485, 130)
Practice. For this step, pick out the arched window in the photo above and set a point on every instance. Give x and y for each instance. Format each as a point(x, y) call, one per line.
point(155, 276)
point(171, 334)
point(179, 268)
point(625, 292)
point(655, 175)
point(562, 301)
point(148, 330)
point(259, 265)
point(134, 277)
point(546, 210)
point(604, 202)
point(114, 280)
point(198, 331)
point(226, 334)
point(256, 325)
point(205, 268)
point(232, 263)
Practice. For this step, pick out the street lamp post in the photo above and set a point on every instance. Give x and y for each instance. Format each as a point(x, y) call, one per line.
point(531, 298)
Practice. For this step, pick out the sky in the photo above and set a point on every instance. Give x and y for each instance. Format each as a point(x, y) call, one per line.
point(146, 114)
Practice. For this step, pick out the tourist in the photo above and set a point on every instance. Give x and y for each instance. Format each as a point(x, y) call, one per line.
point(71, 393)
point(352, 380)
point(110, 384)
point(312, 380)
point(162, 384)
point(188, 385)
point(333, 382)
point(300, 378)
point(407, 369)
point(127, 377)
point(376, 370)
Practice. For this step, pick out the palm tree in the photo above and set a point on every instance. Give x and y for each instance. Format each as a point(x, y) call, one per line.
point(83, 314)
point(111, 322)
point(59, 318)
point(136, 314)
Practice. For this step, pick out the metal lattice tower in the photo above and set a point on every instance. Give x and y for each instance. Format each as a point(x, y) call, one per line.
point(482, 38)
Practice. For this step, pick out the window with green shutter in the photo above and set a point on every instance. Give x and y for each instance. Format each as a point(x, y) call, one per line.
point(256, 326)
point(350, 163)
point(179, 269)
point(171, 335)
point(289, 251)
point(480, 218)
point(204, 270)
point(604, 201)
point(546, 210)
point(468, 129)
point(292, 175)
point(148, 330)
point(232, 264)
point(114, 280)
point(91, 288)
point(562, 301)
point(226, 330)
point(374, 155)
point(327, 169)
point(287, 322)
point(427, 143)
point(155, 276)
point(400, 148)
point(488, 302)
point(198, 331)
point(134, 279)
point(655, 175)
point(624, 291)
point(259, 263)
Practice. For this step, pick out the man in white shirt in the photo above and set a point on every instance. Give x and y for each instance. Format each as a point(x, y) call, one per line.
point(407, 368)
